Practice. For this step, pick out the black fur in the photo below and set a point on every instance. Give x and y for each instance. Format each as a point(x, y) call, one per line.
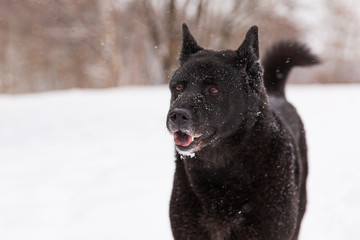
point(241, 162)
point(280, 59)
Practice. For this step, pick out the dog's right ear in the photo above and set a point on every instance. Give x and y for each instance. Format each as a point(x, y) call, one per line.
point(189, 45)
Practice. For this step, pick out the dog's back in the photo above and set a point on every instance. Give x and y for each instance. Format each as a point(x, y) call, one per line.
point(277, 64)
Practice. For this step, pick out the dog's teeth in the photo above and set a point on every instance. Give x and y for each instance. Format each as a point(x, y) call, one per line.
point(192, 138)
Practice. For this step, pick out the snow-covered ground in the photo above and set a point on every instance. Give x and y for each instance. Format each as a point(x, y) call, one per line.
point(98, 164)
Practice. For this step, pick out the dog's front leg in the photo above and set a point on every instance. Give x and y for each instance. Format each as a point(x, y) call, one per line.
point(185, 209)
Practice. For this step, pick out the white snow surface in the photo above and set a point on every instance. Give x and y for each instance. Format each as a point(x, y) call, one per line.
point(98, 164)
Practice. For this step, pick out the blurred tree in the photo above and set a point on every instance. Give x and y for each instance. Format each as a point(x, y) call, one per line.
point(343, 40)
point(58, 44)
point(110, 52)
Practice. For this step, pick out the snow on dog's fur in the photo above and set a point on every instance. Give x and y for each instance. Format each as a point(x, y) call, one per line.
point(241, 161)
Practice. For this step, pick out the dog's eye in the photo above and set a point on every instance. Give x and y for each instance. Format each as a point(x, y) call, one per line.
point(213, 90)
point(179, 87)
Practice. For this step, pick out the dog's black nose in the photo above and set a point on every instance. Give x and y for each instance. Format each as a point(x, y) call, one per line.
point(180, 116)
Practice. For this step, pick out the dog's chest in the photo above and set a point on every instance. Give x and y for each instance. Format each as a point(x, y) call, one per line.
point(220, 228)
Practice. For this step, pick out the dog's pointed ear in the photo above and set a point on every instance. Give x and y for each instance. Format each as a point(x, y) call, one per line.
point(189, 45)
point(248, 52)
point(250, 43)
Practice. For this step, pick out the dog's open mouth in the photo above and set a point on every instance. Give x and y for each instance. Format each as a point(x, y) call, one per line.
point(184, 140)
point(187, 143)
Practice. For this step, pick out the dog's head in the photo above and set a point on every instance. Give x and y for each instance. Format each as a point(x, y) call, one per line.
point(211, 92)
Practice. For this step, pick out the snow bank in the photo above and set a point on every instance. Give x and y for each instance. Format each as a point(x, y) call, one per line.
point(98, 164)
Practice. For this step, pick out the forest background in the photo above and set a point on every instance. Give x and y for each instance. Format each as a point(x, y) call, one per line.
point(59, 44)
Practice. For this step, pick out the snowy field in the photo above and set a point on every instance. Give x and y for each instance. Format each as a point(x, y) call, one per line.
point(98, 164)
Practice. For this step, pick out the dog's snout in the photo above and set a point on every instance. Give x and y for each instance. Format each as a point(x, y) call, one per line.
point(180, 116)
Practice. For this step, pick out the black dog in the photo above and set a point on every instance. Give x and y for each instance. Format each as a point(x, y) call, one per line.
point(241, 160)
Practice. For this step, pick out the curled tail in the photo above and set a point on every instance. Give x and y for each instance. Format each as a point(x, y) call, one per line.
point(279, 60)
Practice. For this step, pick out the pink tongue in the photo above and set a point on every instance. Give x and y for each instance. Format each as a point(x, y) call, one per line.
point(182, 139)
